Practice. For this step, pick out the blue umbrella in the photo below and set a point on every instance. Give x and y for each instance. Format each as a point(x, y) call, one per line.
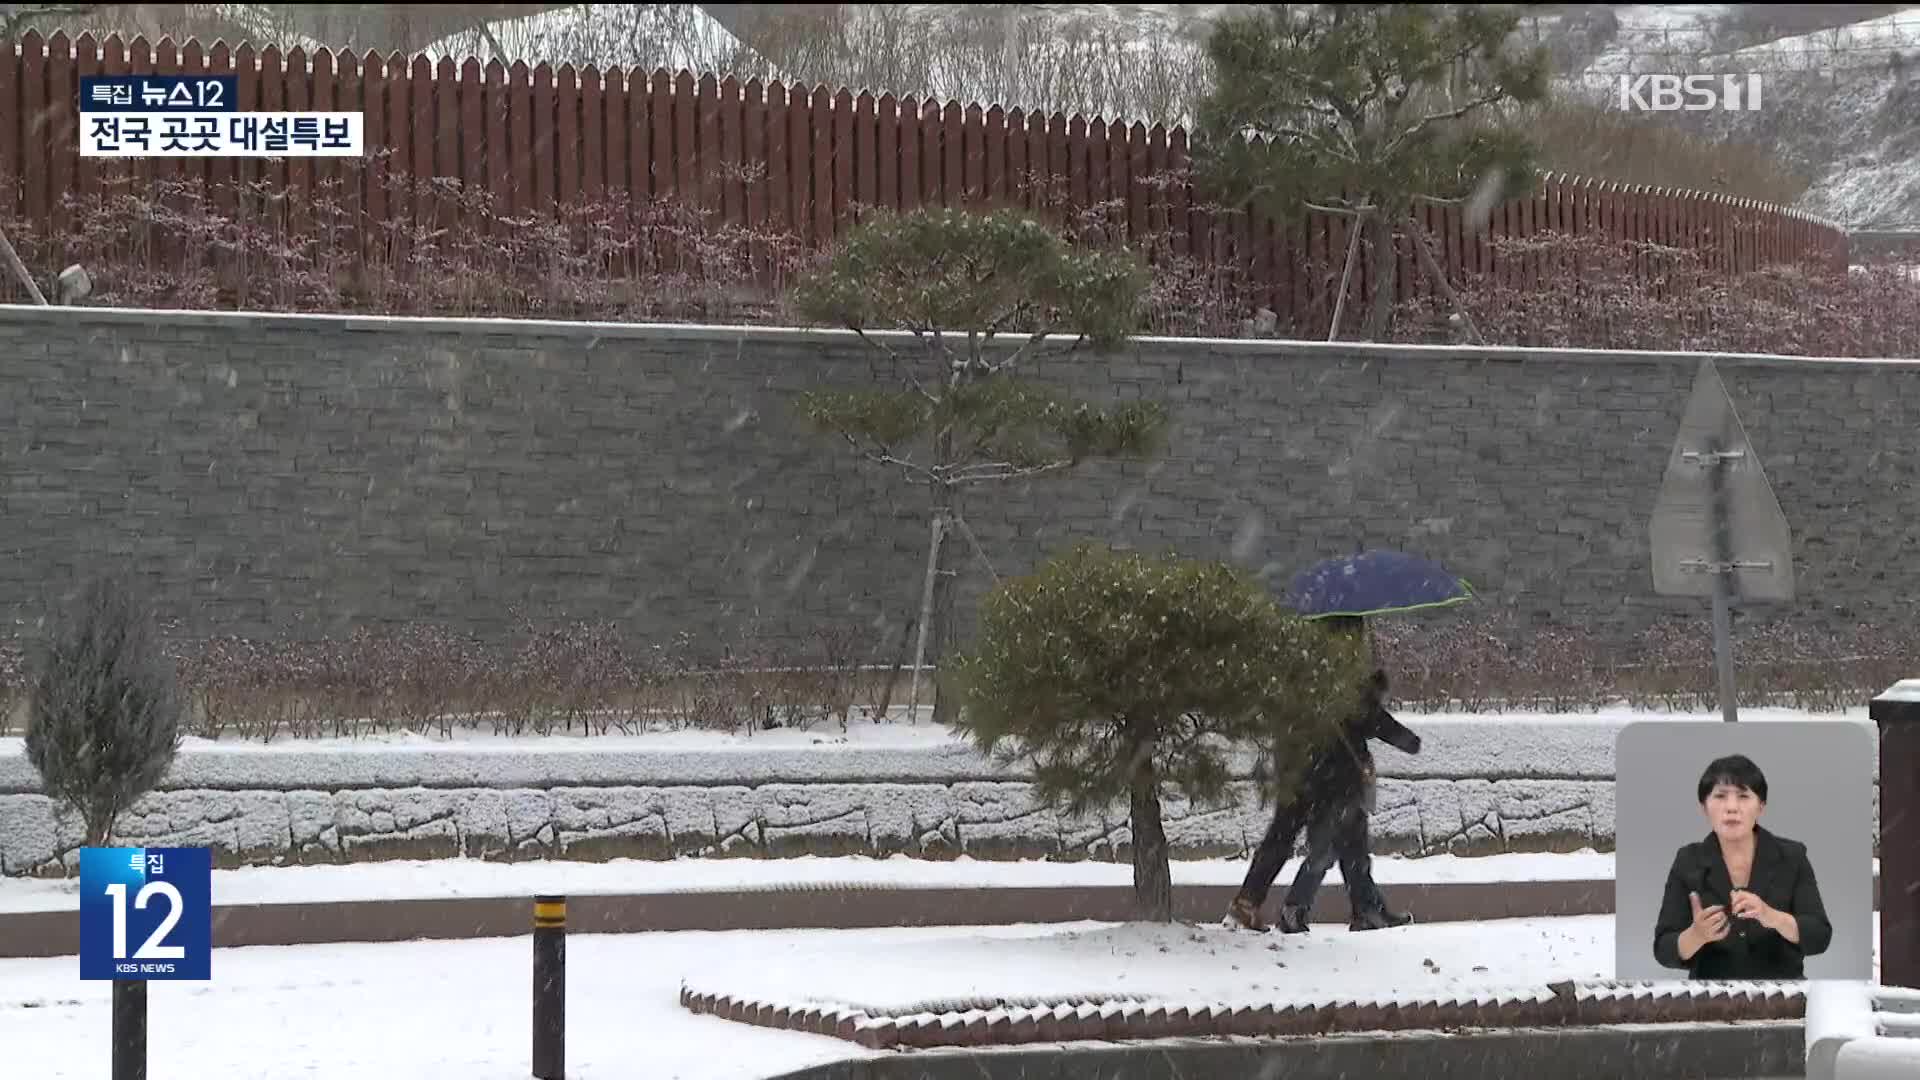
point(1375, 583)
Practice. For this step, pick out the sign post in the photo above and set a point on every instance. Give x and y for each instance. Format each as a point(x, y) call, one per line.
point(145, 914)
point(1717, 530)
point(1897, 714)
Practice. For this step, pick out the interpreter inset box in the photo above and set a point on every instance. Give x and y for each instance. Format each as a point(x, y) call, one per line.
point(1744, 850)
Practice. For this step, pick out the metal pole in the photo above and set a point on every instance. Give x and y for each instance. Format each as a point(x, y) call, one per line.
point(129, 1029)
point(1723, 589)
point(549, 987)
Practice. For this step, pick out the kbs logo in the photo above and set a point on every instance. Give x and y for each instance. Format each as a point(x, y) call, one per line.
point(1689, 93)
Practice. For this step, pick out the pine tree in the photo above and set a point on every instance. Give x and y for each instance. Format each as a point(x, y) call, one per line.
point(1365, 110)
point(952, 412)
point(1120, 677)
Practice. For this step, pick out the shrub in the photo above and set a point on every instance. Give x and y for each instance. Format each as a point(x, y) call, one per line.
point(104, 712)
point(1121, 676)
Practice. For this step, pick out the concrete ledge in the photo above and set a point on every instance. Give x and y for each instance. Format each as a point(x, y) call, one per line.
point(1738, 1051)
point(1878, 1058)
point(590, 332)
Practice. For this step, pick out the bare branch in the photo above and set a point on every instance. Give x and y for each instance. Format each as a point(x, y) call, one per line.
point(1020, 353)
point(1433, 118)
point(1001, 470)
point(882, 454)
point(877, 343)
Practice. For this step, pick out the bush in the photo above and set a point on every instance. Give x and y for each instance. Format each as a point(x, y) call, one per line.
point(104, 710)
point(1596, 292)
point(1121, 676)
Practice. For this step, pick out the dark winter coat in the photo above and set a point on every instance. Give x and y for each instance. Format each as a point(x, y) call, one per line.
point(1343, 773)
point(1782, 875)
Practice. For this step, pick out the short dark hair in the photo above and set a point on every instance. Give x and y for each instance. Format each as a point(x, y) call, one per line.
point(1736, 769)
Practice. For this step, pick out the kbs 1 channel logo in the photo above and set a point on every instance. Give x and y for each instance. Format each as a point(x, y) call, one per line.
point(148, 116)
point(146, 914)
point(1689, 93)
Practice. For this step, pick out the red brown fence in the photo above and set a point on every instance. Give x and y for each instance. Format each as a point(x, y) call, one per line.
point(806, 161)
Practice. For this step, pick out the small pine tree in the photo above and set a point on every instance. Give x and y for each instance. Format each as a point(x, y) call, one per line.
point(954, 410)
point(103, 719)
point(1118, 676)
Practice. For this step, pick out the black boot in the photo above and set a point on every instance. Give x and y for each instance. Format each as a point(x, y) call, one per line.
point(1380, 919)
point(1293, 920)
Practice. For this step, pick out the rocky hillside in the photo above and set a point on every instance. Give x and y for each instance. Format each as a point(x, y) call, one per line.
point(1840, 114)
point(1840, 102)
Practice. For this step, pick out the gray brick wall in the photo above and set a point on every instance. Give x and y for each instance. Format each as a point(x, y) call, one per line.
point(297, 475)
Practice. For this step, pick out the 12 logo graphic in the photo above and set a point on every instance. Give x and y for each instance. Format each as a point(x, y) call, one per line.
point(146, 914)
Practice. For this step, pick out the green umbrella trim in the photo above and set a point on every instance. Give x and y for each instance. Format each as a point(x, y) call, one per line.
point(1464, 583)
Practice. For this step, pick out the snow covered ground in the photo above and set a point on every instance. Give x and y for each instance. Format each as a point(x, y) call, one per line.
point(458, 1010)
point(442, 878)
point(895, 734)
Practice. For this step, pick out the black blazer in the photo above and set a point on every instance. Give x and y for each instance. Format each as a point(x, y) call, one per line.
point(1783, 877)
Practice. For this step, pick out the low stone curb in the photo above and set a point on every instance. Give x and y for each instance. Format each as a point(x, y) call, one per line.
point(1756, 1050)
point(1558, 1005)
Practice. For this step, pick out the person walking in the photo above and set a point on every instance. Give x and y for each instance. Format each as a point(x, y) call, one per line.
point(1340, 834)
point(1335, 798)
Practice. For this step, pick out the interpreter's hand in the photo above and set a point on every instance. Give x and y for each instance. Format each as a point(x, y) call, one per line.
point(1709, 923)
point(1748, 905)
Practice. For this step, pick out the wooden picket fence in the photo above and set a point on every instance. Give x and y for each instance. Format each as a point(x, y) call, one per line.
point(803, 161)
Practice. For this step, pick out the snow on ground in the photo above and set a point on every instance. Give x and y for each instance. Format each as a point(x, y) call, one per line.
point(1838, 46)
point(1650, 31)
point(895, 734)
point(1186, 963)
point(422, 1011)
point(458, 1010)
point(473, 877)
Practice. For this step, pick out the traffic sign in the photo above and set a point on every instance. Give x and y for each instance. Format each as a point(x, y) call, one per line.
point(1712, 456)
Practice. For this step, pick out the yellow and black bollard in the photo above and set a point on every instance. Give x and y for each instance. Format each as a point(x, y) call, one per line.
point(549, 987)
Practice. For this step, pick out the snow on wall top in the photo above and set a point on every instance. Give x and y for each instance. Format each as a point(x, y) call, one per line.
point(1576, 746)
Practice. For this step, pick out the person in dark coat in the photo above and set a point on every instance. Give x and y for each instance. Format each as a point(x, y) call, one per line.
point(1340, 834)
point(1741, 903)
point(1332, 805)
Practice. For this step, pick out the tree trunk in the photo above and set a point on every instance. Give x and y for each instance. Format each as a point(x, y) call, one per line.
point(945, 568)
point(941, 640)
point(98, 822)
point(1152, 875)
point(1385, 264)
point(929, 585)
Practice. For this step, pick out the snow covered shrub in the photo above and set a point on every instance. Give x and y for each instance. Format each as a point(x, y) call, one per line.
point(104, 710)
point(1121, 676)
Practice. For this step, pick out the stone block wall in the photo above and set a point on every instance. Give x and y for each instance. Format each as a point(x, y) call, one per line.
point(284, 475)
